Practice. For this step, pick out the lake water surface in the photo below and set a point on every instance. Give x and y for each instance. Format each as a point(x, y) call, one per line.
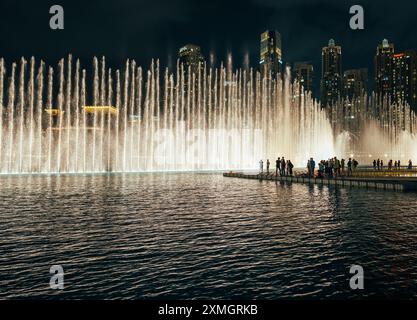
point(200, 235)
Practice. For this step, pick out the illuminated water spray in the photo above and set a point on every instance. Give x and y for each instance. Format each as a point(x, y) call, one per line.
point(61, 120)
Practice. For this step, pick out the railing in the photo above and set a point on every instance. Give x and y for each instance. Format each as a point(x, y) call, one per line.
point(385, 168)
point(368, 182)
point(386, 173)
point(369, 171)
point(360, 171)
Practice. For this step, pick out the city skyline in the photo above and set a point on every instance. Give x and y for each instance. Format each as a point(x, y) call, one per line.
point(394, 74)
point(160, 28)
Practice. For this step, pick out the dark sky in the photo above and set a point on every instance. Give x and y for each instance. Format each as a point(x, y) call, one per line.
point(157, 28)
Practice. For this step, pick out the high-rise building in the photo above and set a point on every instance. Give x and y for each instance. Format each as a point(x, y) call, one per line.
point(384, 69)
point(396, 74)
point(190, 56)
point(355, 83)
point(404, 78)
point(271, 52)
point(331, 74)
point(303, 72)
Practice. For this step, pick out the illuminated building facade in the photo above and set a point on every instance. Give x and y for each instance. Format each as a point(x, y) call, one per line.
point(191, 57)
point(304, 74)
point(383, 62)
point(331, 74)
point(355, 83)
point(396, 74)
point(270, 59)
point(404, 78)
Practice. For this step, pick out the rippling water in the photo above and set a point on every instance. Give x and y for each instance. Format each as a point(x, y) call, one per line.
point(202, 236)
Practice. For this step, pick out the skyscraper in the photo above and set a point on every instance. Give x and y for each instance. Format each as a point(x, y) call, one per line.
point(271, 52)
point(404, 78)
point(303, 72)
point(355, 83)
point(331, 74)
point(384, 69)
point(190, 56)
point(396, 74)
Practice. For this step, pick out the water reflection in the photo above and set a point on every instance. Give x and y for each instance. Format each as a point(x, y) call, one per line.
point(202, 236)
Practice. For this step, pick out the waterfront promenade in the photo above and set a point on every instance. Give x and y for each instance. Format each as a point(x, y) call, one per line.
point(362, 179)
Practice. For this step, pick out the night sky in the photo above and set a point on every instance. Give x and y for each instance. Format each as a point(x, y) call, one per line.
point(157, 28)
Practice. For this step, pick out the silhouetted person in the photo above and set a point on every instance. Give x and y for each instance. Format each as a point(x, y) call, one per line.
point(267, 166)
point(355, 163)
point(337, 167)
point(277, 166)
point(331, 167)
point(312, 167)
point(321, 169)
point(290, 166)
point(261, 166)
point(283, 166)
point(349, 166)
point(326, 168)
point(374, 164)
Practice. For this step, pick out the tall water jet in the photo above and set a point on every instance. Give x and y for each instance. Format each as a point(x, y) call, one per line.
point(49, 108)
point(11, 119)
point(60, 115)
point(21, 112)
point(67, 113)
point(39, 118)
point(76, 99)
